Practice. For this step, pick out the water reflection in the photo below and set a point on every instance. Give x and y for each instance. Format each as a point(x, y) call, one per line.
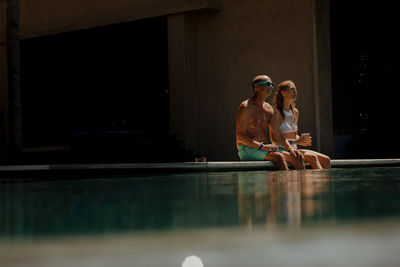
point(290, 198)
point(31, 209)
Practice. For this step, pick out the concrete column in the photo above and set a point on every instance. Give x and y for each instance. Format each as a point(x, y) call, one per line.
point(3, 81)
point(183, 80)
point(3, 102)
point(322, 78)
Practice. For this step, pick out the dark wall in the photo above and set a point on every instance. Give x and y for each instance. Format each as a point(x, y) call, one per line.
point(105, 87)
point(364, 63)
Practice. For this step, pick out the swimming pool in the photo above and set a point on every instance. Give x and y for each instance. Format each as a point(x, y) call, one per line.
point(179, 208)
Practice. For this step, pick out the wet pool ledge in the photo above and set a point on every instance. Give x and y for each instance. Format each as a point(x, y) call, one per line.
point(175, 167)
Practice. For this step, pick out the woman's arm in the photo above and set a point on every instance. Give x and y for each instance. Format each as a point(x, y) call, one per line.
point(301, 140)
point(277, 135)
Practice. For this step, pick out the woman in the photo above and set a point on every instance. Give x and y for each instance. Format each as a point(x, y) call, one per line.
point(288, 115)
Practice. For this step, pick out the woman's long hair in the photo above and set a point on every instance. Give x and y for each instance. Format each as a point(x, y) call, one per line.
point(278, 99)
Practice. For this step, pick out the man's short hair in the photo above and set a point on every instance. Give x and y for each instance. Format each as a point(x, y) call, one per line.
point(257, 79)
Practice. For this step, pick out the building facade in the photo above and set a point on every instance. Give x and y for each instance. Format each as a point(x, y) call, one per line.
point(212, 50)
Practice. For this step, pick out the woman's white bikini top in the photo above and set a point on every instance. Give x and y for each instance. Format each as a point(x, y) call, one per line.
point(289, 123)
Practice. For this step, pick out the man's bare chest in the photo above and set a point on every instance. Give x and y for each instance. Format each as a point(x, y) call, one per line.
point(259, 118)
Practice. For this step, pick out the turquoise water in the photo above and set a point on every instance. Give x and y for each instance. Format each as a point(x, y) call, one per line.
point(95, 206)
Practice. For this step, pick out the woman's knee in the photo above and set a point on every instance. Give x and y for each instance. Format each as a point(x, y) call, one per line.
point(310, 157)
point(325, 161)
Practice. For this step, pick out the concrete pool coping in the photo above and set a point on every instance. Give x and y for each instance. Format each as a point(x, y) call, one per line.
point(182, 166)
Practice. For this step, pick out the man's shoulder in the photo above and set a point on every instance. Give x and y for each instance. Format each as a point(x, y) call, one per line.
point(266, 104)
point(244, 104)
point(243, 110)
point(268, 107)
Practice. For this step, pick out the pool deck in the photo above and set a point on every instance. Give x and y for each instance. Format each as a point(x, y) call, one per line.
point(179, 167)
point(342, 245)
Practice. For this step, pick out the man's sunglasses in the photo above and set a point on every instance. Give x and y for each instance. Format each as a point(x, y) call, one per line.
point(267, 83)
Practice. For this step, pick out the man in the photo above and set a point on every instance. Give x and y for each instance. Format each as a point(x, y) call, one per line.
point(253, 118)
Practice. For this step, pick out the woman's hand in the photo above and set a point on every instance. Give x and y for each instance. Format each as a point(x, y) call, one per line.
point(304, 140)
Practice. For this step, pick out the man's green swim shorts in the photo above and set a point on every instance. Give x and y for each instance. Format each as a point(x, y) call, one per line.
point(251, 153)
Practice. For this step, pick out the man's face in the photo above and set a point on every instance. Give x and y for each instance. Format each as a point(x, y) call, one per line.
point(264, 86)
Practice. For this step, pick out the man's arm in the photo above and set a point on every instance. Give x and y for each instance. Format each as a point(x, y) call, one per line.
point(242, 121)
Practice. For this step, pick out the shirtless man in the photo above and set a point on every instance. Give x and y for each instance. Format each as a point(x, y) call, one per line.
point(253, 118)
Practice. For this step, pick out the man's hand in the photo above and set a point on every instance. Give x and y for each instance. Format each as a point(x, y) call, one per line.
point(270, 147)
point(295, 153)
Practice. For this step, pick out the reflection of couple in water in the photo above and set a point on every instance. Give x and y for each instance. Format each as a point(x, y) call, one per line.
point(290, 198)
point(255, 116)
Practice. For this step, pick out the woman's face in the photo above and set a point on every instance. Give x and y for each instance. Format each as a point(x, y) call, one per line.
point(290, 93)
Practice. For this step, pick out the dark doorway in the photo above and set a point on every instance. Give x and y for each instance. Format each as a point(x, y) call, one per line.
point(102, 92)
point(365, 92)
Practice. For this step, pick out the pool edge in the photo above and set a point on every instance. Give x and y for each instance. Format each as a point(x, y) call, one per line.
point(181, 166)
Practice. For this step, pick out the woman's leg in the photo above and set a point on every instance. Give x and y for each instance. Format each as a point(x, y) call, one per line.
point(312, 158)
point(324, 160)
point(297, 163)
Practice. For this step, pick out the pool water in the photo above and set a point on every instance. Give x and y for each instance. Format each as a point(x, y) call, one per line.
point(221, 203)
